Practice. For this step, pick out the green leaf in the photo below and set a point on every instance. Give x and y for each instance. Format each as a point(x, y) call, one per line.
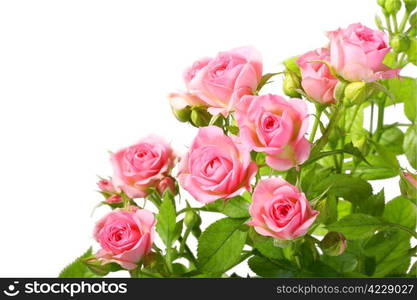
point(374, 205)
point(220, 245)
point(404, 90)
point(390, 59)
point(392, 139)
point(265, 245)
point(236, 207)
point(412, 51)
point(401, 211)
point(410, 145)
point(78, 269)
point(166, 225)
point(265, 267)
point(357, 226)
point(349, 188)
point(264, 80)
point(344, 263)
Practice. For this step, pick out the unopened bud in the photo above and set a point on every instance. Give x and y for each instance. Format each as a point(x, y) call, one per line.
point(408, 185)
point(381, 3)
point(400, 43)
point(200, 117)
point(333, 244)
point(192, 219)
point(181, 104)
point(290, 64)
point(291, 84)
point(106, 185)
point(339, 90)
point(115, 198)
point(392, 6)
point(166, 184)
point(410, 4)
point(355, 92)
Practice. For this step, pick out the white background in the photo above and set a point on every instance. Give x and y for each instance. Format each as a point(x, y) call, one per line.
point(79, 78)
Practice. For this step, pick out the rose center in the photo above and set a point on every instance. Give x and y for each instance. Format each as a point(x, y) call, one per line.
point(271, 123)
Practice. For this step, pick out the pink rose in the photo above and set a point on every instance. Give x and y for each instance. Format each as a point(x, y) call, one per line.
point(357, 53)
point(222, 81)
point(191, 72)
point(106, 186)
point(280, 210)
point(275, 126)
point(215, 166)
point(166, 184)
point(141, 166)
point(125, 236)
point(316, 79)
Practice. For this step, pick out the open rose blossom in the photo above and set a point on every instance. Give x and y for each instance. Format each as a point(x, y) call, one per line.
point(221, 82)
point(275, 126)
point(125, 236)
point(357, 53)
point(280, 210)
point(141, 166)
point(316, 79)
point(215, 166)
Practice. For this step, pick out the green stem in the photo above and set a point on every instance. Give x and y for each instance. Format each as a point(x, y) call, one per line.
point(184, 240)
point(380, 122)
point(394, 20)
point(371, 122)
point(387, 20)
point(355, 113)
point(168, 260)
point(332, 123)
point(404, 21)
point(319, 111)
point(190, 254)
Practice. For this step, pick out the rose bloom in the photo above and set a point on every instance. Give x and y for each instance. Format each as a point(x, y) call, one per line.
point(316, 79)
point(125, 236)
point(215, 166)
point(280, 210)
point(357, 53)
point(221, 82)
point(141, 166)
point(275, 126)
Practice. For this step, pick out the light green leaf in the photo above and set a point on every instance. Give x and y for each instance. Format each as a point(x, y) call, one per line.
point(236, 207)
point(357, 226)
point(166, 225)
point(220, 245)
point(78, 269)
point(392, 139)
point(404, 90)
point(410, 145)
point(412, 51)
point(374, 205)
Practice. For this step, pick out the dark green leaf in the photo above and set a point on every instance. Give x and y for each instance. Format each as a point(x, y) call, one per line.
point(349, 188)
point(220, 245)
point(374, 205)
point(357, 226)
point(264, 80)
point(265, 267)
point(265, 245)
point(392, 139)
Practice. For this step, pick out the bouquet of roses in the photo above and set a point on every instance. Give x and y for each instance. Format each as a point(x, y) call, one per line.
point(293, 205)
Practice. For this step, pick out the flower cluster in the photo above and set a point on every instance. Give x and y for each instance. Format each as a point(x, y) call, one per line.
point(252, 161)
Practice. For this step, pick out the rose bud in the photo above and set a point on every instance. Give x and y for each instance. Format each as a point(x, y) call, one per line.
point(115, 198)
point(106, 186)
point(125, 236)
point(316, 79)
point(216, 166)
point(410, 5)
point(392, 6)
point(357, 53)
point(200, 117)
point(356, 92)
point(166, 184)
point(333, 244)
point(181, 104)
point(192, 219)
point(280, 210)
point(408, 185)
point(275, 126)
point(291, 84)
point(400, 43)
point(141, 166)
